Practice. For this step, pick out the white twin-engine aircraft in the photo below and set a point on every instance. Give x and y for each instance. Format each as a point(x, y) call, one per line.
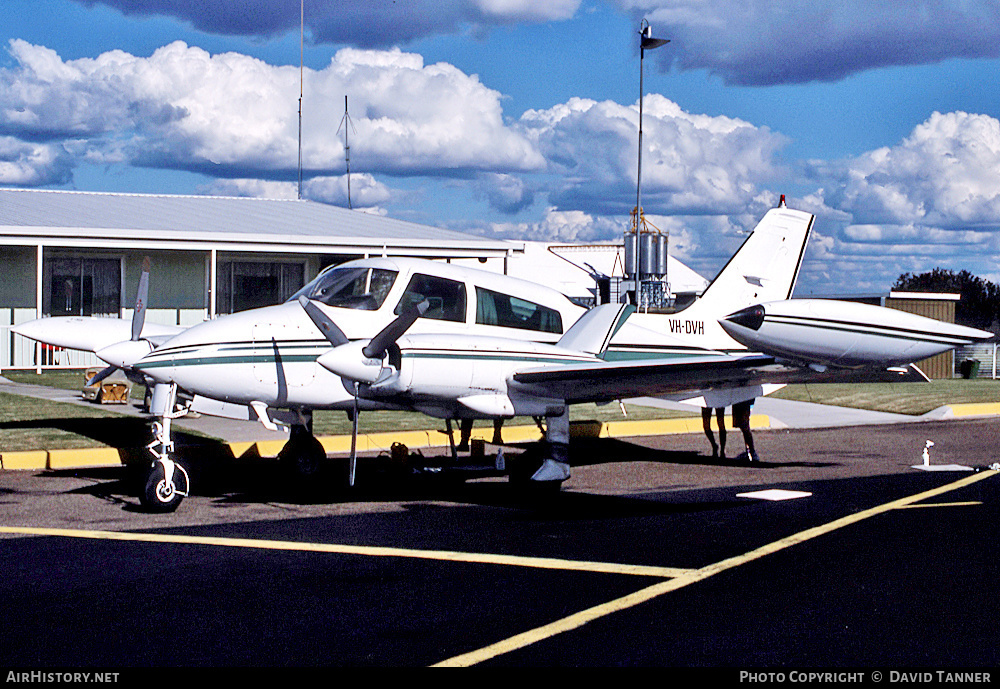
point(459, 343)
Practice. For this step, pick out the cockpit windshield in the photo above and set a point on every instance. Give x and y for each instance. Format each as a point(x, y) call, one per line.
point(359, 288)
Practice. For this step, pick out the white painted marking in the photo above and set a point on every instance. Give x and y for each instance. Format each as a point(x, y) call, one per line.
point(774, 494)
point(941, 467)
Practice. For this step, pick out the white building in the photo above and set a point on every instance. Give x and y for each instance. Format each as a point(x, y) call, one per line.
point(81, 253)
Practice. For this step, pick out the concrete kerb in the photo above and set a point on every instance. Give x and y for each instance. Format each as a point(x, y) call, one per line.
point(39, 460)
point(57, 459)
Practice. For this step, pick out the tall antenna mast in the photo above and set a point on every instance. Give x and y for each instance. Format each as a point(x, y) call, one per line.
point(347, 124)
point(302, 23)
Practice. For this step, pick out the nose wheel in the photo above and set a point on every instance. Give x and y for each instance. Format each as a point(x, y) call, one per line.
point(167, 482)
point(166, 486)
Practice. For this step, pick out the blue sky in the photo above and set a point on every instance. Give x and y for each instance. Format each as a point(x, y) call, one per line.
point(517, 118)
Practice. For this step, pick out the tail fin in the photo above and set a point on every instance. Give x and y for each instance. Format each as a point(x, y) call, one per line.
point(767, 265)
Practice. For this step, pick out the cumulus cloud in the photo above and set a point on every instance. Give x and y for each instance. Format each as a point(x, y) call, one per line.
point(355, 22)
point(231, 115)
point(416, 118)
point(365, 191)
point(33, 164)
point(932, 200)
point(946, 173)
point(507, 193)
point(691, 163)
point(751, 42)
point(758, 42)
point(559, 225)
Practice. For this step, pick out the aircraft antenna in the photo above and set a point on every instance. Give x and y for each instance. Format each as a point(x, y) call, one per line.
point(302, 22)
point(346, 123)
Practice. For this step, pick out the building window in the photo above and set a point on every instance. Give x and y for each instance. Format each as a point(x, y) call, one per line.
point(244, 285)
point(496, 308)
point(82, 286)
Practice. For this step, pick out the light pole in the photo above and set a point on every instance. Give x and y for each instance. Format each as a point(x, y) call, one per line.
point(646, 42)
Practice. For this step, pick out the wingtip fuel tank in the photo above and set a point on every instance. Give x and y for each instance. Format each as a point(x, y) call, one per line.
point(848, 334)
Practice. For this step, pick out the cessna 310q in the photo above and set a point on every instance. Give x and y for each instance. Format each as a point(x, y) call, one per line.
point(456, 342)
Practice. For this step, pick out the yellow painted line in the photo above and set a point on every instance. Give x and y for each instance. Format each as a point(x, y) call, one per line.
point(581, 618)
point(942, 504)
point(372, 551)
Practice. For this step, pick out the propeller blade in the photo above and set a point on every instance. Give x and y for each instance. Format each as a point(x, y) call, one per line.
point(352, 463)
point(101, 375)
point(139, 315)
point(326, 326)
point(392, 332)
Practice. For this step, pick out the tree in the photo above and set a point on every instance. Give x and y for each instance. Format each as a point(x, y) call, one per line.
point(979, 305)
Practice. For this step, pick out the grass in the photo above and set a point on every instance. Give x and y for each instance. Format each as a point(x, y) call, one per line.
point(67, 379)
point(899, 398)
point(32, 424)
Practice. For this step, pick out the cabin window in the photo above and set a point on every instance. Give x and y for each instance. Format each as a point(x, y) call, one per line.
point(364, 289)
point(446, 297)
point(82, 286)
point(244, 285)
point(496, 308)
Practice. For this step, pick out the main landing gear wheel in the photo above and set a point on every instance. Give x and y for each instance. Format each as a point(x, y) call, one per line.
point(303, 455)
point(165, 488)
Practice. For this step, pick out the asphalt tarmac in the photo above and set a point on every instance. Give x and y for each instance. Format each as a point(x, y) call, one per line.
point(653, 554)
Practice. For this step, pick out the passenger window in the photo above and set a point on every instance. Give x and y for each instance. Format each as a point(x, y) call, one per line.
point(446, 297)
point(495, 308)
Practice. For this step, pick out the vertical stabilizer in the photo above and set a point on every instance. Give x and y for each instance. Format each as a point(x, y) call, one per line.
point(767, 265)
point(763, 270)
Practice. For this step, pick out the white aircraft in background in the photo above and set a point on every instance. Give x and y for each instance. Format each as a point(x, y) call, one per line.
point(115, 341)
point(482, 345)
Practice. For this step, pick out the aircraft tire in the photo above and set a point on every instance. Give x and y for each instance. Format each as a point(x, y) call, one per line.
point(161, 496)
point(302, 458)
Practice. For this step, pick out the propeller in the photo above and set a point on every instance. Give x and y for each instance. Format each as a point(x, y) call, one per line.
point(352, 462)
point(326, 326)
point(377, 346)
point(121, 354)
point(357, 365)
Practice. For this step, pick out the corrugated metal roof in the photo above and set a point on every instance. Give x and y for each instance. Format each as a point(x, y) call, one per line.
point(229, 219)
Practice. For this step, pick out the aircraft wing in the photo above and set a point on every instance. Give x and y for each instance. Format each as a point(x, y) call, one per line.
point(608, 381)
